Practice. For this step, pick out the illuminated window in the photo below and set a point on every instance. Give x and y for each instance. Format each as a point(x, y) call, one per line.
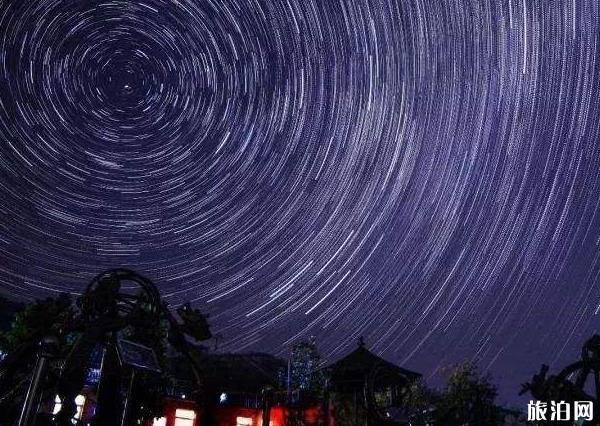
point(184, 417)
point(243, 421)
point(161, 421)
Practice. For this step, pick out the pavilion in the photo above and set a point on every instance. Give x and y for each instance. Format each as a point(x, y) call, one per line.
point(365, 389)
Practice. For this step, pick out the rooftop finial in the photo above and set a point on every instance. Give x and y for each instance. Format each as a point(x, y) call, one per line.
point(361, 342)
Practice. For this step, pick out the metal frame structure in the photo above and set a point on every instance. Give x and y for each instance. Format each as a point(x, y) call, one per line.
point(114, 300)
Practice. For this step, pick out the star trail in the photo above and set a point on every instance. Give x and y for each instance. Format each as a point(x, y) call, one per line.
point(425, 174)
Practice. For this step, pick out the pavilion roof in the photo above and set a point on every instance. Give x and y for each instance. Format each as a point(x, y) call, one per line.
point(361, 362)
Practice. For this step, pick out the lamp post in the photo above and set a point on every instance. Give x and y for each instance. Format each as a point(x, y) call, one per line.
point(267, 402)
point(127, 405)
point(48, 350)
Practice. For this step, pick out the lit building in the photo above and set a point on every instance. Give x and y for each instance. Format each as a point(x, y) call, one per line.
point(236, 383)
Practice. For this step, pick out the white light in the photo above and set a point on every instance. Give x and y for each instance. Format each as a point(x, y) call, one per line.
point(57, 405)
point(162, 421)
point(79, 402)
point(223, 398)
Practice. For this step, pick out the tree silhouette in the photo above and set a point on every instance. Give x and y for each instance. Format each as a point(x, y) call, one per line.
point(468, 398)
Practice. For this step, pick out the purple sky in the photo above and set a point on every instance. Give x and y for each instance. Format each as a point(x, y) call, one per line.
point(422, 173)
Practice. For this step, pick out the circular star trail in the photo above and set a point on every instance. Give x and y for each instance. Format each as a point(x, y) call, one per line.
point(423, 173)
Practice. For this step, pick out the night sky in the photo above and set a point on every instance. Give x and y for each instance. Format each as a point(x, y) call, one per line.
point(424, 173)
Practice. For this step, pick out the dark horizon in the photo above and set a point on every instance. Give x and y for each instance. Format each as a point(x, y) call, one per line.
point(421, 174)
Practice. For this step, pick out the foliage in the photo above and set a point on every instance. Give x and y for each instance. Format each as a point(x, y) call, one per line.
point(468, 398)
point(305, 371)
point(8, 309)
point(419, 401)
point(36, 320)
point(20, 344)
